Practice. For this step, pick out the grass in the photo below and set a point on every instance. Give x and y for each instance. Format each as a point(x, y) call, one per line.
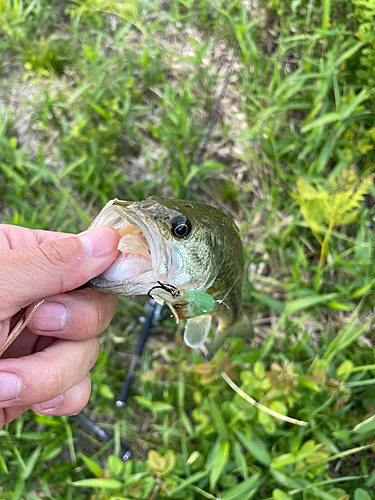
point(96, 105)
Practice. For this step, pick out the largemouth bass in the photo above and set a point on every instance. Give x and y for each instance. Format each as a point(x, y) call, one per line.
point(186, 254)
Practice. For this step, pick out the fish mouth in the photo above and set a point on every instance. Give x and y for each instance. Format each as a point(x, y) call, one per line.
point(143, 261)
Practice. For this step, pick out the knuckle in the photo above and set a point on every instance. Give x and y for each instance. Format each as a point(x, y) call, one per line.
point(106, 310)
point(98, 320)
point(93, 354)
point(99, 311)
point(55, 380)
point(10, 283)
point(53, 255)
point(112, 308)
point(75, 398)
point(55, 259)
point(90, 323)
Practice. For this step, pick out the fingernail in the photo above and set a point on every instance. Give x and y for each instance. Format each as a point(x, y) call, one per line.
point(10, 386)
point(50, 405)
point(98, 242)
point(52, 316)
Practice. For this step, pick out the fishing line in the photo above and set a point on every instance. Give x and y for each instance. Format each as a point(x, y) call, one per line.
point(211, 125)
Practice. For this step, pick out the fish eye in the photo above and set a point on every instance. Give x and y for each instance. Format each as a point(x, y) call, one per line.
point(181, 227)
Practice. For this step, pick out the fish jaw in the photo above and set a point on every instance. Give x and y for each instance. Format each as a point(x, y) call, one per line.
point(167, 262)
point(142, 271)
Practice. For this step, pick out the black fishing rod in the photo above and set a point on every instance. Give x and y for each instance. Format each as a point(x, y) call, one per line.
point(153, 313)
point(103, 435)
point(152, 309)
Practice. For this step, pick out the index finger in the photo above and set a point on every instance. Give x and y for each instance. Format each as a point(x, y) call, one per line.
point(76, 315)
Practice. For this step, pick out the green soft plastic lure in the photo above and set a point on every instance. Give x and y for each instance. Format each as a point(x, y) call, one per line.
point(197, 304)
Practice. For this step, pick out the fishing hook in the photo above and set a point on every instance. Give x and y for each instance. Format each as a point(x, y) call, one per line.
point(167, 288)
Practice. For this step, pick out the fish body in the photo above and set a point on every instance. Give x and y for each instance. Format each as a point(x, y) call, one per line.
point(184, 253)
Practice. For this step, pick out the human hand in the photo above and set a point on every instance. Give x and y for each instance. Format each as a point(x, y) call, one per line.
point(47, 366)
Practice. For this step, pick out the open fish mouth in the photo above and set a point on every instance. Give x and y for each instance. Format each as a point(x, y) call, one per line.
point(143, 260)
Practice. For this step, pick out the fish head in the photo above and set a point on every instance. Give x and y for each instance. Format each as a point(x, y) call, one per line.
point(162, 242)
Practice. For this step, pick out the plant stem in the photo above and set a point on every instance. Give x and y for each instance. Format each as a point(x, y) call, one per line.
point(325, 243)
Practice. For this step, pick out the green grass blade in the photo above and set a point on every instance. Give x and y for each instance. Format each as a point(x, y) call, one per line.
point(256, 448)
point(219, 462)
point(246, 489)
point(293, 306)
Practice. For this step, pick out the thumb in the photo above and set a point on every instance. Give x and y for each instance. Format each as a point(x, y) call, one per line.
point(33, 273)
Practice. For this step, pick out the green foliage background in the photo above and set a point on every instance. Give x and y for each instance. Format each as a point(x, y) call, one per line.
point(105, 99)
